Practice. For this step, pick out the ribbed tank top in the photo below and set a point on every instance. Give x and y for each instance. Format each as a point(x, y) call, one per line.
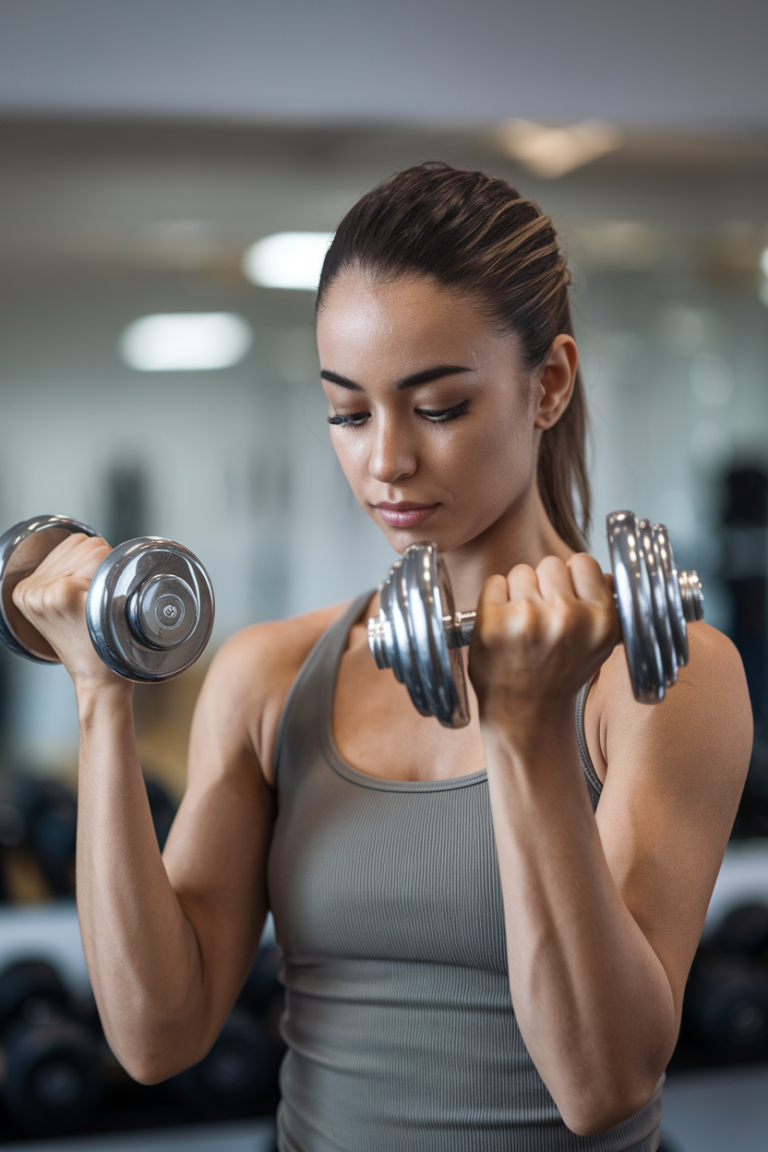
point(387, 904)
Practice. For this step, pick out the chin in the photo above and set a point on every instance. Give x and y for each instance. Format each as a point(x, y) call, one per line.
point(402, 538)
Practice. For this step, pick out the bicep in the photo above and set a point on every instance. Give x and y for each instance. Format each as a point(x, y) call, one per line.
point(674, 776)
point(216, 854)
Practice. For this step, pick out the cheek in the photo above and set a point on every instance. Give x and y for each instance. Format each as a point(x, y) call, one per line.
point(350, 455)
point(497, 453)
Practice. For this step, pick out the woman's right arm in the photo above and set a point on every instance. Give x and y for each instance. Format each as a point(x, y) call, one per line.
point(168, 941)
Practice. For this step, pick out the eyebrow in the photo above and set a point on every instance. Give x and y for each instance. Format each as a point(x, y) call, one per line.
point(413, 381)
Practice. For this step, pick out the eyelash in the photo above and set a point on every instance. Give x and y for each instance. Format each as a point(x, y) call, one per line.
point(441, 416)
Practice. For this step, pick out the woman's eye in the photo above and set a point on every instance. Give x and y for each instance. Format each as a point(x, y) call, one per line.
point(443, 415)
point(433, 415)
point(355, 419)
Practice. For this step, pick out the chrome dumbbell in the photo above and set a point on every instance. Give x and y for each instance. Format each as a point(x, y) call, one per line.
point(419, 634)
point(150, 604)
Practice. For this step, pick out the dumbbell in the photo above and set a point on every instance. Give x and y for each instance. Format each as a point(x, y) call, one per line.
point(52, 1076)
point(149, 609)
point(419, 634)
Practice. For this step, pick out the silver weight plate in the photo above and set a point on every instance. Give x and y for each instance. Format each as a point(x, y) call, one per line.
point(407, 629)
point(408, 636)
point(393, 648)
point(150, 609)
point(634, 599)
point(453, 669)
point(440, 669)
point(22, 548)
point(676, 614)
point(651, 536)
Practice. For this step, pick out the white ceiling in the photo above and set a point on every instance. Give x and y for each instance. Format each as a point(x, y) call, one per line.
point(659, 63)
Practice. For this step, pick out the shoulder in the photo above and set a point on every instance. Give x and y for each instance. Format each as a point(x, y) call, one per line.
point(708, 709)
point(251, 674)
point(271, 649)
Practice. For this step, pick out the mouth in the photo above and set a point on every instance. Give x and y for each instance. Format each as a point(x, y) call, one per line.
point(406, 514)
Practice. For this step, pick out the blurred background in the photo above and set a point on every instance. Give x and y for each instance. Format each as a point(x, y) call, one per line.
point(145, 152)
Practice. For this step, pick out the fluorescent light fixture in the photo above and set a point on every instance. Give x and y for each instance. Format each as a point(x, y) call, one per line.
point(287, 260)
point(185, 342)
point(764, 262)
point(552, 151)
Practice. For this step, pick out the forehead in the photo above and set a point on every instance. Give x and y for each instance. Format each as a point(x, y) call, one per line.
point(410, 319)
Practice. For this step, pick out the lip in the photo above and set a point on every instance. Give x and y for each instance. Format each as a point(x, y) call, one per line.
point(406, 514)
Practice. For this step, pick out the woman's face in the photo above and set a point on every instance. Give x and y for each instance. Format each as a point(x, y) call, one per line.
point(433, 418)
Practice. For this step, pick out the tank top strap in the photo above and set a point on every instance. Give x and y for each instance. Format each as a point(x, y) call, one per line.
point(309, 702)
point(594, 783)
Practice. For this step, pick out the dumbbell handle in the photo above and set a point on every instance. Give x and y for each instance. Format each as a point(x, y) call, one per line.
point(459, 626)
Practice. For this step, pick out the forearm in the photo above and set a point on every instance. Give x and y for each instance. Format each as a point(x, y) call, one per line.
point(142, 953)
point(592, 999)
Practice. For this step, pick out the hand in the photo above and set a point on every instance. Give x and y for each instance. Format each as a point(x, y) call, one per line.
point(53, 599)
point(539, 636)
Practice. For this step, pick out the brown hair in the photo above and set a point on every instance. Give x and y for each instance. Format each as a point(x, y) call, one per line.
point(474, 233)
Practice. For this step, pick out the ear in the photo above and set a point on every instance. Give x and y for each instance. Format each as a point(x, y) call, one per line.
point(556, 376)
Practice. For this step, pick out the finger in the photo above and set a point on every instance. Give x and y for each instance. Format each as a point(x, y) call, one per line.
point(68, 556)
point(554, 578)
point(61, 557)
point(588, 580)
point(495, 591)
point(523, 583)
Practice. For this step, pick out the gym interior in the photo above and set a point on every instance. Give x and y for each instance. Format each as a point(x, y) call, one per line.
point(114, 213)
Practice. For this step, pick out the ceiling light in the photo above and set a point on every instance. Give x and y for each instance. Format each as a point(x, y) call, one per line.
point(287, 260)
point(185, 342)
point(764, 262)
point(550, 152)
point(632, 245)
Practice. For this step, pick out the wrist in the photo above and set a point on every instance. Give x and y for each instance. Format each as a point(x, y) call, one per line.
point(95, 696)
point(524, 728)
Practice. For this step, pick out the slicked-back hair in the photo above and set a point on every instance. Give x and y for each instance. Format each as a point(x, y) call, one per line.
point(475, 234)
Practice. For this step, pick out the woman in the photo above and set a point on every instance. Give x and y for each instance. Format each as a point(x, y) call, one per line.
point(477, 954)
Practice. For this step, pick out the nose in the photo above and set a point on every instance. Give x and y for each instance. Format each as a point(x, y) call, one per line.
point(393, 456)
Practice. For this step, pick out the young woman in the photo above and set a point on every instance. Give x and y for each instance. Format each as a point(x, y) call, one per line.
point(478, 954)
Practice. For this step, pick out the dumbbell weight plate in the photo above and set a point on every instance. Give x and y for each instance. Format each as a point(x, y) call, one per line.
point(22, 548)
point(150, 609)
point(635, 603)
point(650, 536)
point(677, 615)
point(413, 602)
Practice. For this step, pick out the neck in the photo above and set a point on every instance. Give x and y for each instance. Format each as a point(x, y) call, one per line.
point(523, 535)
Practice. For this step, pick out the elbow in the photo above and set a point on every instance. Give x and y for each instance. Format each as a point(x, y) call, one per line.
point(151, 1060)
point(154, 1067)
point(145, 1072)
point(595, 1112)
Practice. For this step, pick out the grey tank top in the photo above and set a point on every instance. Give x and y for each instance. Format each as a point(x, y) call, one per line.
point(387, 905)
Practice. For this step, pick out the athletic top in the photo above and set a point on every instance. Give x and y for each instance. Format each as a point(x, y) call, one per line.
point(387, 904)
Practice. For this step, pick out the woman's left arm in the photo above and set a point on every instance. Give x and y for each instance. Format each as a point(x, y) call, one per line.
point(603, 913)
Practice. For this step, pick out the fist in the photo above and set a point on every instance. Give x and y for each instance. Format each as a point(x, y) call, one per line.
point(540, 634)
point(53, 597)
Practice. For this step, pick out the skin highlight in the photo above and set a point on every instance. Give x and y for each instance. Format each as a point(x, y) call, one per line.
point(603, 912)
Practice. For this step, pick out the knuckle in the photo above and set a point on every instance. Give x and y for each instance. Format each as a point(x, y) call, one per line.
point(20, 594)
point(525, 618)
point(49, 597)
point(551, 565)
